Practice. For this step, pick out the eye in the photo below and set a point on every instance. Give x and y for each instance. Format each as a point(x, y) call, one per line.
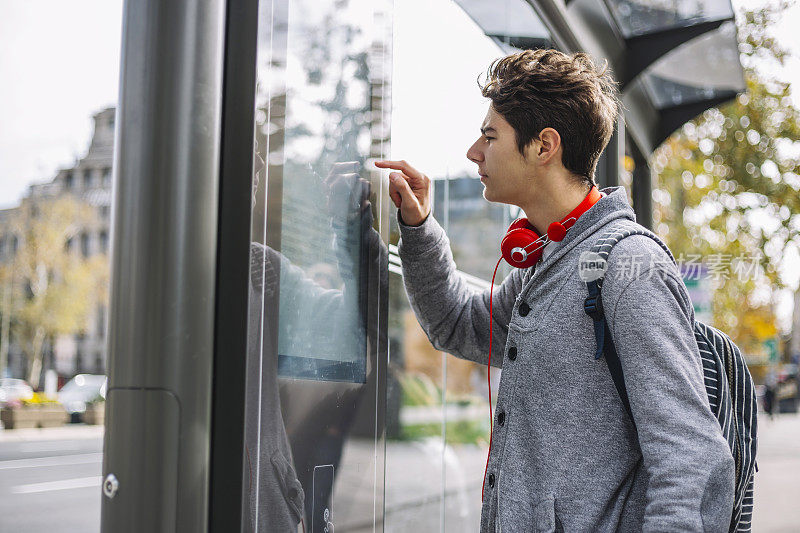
point(489, 138)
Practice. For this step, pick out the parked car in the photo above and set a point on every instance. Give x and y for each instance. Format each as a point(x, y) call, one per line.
point(12, 389)
point(80, 391)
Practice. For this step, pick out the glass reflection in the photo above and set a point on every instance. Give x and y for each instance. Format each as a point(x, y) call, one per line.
point(321, 336)
point(301, 437)
point(640, 17)
point(700, 69)
point(343, 384)
point(318, 270)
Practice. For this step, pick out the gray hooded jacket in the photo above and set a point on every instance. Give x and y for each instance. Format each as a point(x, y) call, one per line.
point(565, 455)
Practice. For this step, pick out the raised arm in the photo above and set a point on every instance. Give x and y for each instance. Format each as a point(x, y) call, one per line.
point(454, 316)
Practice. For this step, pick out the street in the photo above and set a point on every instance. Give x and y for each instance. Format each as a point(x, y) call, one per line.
point(777, 485)
point(50, 479)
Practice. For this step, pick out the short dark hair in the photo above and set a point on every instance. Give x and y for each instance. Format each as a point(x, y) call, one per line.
point(537, 89)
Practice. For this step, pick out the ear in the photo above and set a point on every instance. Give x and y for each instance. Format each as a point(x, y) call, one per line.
point(549, 145)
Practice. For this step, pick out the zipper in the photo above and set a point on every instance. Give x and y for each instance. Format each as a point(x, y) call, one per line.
point(737, 456)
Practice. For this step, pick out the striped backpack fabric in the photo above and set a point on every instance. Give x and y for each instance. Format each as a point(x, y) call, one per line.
point(728, 382)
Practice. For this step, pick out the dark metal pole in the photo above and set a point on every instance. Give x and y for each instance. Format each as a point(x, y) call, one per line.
point(233, 268)
point(161, 335)
point(642, 191)
point(610, 164)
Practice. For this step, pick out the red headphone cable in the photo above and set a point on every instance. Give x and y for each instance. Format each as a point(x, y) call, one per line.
point(489, 379)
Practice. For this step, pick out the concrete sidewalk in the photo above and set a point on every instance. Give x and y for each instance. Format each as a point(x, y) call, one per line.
point(66, 432)
point(414, 475)
point(777, 482)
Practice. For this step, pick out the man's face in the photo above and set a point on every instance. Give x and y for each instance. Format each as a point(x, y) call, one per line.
point(506, 175)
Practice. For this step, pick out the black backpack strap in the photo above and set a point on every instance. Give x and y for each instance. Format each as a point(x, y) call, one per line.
point(593, 306)
point(611, 237)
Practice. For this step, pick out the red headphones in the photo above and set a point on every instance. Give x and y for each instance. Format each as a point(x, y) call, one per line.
point(522, 246)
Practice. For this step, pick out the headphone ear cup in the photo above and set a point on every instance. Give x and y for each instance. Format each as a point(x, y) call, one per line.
point(519, 238)
point(520, 223)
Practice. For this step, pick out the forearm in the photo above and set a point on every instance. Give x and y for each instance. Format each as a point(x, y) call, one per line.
point(454, 316)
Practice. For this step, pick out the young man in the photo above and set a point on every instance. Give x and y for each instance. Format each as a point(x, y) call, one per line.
point(565, 455)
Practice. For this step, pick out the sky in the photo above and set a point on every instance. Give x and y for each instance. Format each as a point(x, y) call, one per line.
point(59, 64)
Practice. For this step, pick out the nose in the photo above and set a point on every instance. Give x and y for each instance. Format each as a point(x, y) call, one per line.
point(474, 154)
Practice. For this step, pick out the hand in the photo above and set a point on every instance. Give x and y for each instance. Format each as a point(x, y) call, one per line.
point(410, 190)
point(347, 194)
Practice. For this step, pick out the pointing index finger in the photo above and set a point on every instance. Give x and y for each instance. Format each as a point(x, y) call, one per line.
point(403, 166)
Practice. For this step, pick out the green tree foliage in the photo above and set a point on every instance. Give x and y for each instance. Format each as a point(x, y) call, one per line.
point(728, 185)
point(52, 287)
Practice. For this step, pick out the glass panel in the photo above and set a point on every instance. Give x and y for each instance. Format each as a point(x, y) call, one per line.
point(438, 439)
point(474, 226)
point(475, 229)
point(414, 421)
point(509, 22)
point(317, 335)
point(640, 17)
point(698, 70)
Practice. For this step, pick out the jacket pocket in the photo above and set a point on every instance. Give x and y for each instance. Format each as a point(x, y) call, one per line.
point(291, 488)
point(537, 517)
point(545, 519)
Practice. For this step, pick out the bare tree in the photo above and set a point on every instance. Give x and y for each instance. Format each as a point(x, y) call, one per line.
point(52, 284)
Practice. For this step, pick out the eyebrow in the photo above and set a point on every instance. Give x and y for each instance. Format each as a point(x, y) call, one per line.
point(484, 130)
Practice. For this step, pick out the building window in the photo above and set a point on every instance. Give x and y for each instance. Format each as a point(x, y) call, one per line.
point(14, 245)
point(101, 321)
point(69, 180)
point(103, 241)
point(107, 177)
point(98, 363)
point(85, 244)
point(87, 178)
point(68, 244)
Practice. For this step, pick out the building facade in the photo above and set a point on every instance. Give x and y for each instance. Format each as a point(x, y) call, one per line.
point(89, 182)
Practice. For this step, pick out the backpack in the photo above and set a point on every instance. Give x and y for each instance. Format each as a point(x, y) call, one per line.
point(728, 382)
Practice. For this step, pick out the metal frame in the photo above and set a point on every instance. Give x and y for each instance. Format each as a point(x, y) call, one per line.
point(609, 166)
point(674, 117)
point(642, 189)
point(587, 25)
point(644, 50)
point(163, 287)
point(233, 245)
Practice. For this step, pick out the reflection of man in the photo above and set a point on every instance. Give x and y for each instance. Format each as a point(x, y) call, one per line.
point(323, 275)
point(565, 455)
point(280, 463)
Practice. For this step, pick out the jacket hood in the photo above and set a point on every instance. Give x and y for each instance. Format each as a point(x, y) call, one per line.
point(613, 206)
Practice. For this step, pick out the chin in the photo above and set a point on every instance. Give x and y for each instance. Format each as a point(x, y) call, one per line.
point(490, 197)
